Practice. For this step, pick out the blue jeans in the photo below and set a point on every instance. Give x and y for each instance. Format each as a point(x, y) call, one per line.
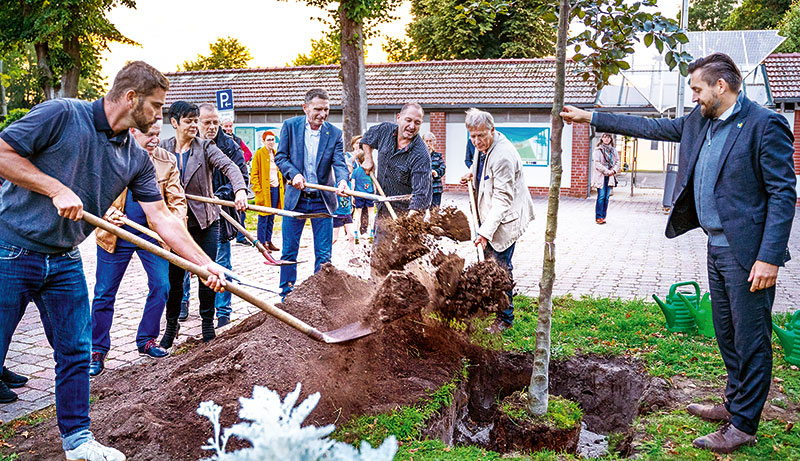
point(266, 223)
point(322, 229)
point(437, 199)
point(207, 240)
point(242, 218)
point(222, 303)
point(503, 258)
point(110, 269)
point(187, 286)
point(743, 325)
point(601, 207)
point(56, 283)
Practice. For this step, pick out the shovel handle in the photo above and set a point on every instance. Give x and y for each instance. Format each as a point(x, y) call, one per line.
point(380, 192)
point(473, 211)
point(354, 193)
point(144, 230)
point(204, 274)
point(259, 208)
point(238, 226)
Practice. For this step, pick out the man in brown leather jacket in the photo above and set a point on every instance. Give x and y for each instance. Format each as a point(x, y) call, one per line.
point(113, 256)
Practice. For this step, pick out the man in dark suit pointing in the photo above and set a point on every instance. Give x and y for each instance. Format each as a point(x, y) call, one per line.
point(310, 150)
point(735, 180)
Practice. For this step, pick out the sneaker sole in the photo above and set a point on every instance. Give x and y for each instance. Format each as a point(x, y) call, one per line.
point(98, 374)
point(15, 385)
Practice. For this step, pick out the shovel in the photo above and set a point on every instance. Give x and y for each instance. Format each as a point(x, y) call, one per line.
point(364, 195)
point(346, 333)
point(270, 261)
point(473, 211)
point(148, 232)
point(262, 209)
point(380, 191)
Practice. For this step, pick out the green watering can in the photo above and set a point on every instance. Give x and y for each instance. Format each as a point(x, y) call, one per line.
point(702, 314)
point(679, 317)
point(790, 338)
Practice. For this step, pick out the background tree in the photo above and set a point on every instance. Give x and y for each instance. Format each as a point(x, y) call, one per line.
point(68, 37)
point(708, 14)
point(353, 19)
point(443, 29)
point(757, 15)
point(611, 28)
point(19, 77)
point(790, 28)
point(400, 50)
point(325, 51)
point(226, 53)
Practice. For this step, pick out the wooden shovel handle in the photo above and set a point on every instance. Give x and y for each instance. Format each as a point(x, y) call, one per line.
point(473, 211)
point(354, 193)
point(204, 274)
point(259, 208)
point(380, 192)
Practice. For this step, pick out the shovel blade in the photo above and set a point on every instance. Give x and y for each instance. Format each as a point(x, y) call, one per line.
point(348, 332)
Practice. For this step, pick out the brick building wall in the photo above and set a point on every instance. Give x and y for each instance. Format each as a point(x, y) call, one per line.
point(579, 183)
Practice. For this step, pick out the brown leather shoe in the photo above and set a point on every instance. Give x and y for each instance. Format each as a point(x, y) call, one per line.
point(709, 412)
point(272, 247)
point(725, 440)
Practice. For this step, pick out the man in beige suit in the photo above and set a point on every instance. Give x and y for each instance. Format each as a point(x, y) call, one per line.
point(504, 204)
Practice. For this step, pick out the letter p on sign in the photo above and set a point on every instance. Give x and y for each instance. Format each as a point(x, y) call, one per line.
point(224, 100)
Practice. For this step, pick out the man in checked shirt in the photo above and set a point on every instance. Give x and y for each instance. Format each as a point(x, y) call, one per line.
point(404, 163)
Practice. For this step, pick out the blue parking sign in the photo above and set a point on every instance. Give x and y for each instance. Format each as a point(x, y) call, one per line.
point(224, 100)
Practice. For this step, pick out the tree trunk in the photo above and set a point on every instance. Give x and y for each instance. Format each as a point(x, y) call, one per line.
point(45, 72)
point(72, 73)
point(3, 106)
point(539, 386)
point(354, 79)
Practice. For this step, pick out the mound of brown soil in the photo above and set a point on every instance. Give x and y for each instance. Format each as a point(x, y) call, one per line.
point(148, 411)
point(452, 221)
point(480, 288)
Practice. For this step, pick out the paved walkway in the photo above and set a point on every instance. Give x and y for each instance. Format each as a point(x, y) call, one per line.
point(627, 258)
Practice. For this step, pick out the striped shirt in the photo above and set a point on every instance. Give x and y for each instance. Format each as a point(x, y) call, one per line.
point(401, 171)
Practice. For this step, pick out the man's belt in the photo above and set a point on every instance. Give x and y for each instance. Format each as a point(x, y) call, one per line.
point(309, 194)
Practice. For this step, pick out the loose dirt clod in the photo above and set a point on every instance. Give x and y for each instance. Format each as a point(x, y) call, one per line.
point(401, 241)
point(481, 288)
point(400, 294)
point(452, 221)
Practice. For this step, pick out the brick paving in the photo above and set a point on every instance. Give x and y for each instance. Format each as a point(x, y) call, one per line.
point(627, 258)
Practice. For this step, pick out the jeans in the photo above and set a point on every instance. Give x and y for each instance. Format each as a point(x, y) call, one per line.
point(503, 258)
point(322, 229)
point(56, 283)
point(743, 324)
point(187, 286)
point(207, 239)
point(110, 269)
point(601, 207)
point(437, 199)
point(266, 223)
point(222, 303)
point(242, 218)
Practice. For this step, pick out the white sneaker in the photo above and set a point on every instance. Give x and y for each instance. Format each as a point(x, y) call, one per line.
point(94, 451)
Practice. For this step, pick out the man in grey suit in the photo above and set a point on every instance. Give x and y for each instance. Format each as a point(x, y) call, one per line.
point(503, 201)
point(735, 180)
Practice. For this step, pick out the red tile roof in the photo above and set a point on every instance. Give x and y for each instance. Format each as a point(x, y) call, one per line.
point(506, 82)
point(783, 74)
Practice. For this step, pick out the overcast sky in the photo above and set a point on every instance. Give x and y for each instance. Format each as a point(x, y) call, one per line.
point(173, 31)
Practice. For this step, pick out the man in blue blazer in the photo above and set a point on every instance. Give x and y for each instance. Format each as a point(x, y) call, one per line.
point(310, 150)
point(736, 181)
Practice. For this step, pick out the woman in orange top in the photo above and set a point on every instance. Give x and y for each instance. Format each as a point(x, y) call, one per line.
point(267, 184)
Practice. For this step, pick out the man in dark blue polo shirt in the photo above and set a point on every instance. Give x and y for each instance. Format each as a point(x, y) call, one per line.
point(61, 158)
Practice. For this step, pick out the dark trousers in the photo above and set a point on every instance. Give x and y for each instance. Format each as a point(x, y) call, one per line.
point(743, 324)
point(503, 258)
point(207, 239)
point(292, 228)
point(266, 223)
point(437, 199)
point(110, 270)
point(601, 206)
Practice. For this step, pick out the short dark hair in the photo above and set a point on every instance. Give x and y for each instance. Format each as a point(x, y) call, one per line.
point(183, 109)
point(718, 66)
point(415, 105)
point(316, 93)
point(140, 77)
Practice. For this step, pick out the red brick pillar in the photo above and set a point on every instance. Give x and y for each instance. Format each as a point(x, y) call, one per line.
point(581, 150)
point(439, 129)
point(797, 146)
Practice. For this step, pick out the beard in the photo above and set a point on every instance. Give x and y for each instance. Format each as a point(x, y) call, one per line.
point(143, 124)
point(710, 111)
